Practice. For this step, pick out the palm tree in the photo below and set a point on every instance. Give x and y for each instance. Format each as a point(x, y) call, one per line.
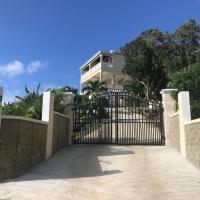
point(93, 88)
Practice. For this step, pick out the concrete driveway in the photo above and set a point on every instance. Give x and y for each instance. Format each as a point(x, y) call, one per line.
point(106, 172)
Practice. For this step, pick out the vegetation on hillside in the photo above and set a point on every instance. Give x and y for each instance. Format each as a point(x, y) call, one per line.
point(153, 56)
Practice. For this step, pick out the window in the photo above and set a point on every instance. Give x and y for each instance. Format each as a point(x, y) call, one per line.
point(107, 59)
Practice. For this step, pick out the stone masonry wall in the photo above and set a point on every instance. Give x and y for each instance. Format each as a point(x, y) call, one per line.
point(22, 146)
point(60, 132)
point(192, 138)
point(175, 131)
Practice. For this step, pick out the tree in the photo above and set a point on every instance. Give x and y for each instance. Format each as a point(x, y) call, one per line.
point(184, 46)
point(93, 88)
point(188, 80)
point(94, 100)
point(188, 39)
point(135, 87)
point(144, 61)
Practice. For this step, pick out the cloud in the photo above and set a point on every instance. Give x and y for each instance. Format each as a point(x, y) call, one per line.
point(34, 66)
point(16, 67)
point(12, 68)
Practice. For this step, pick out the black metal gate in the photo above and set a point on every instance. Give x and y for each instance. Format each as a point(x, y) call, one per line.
point(118, 118)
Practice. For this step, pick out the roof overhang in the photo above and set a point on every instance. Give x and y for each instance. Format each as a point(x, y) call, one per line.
point(95, 56)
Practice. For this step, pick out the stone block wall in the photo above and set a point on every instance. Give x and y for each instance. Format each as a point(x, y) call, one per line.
point(192, 139)
point(22, 145)
point(175, 131)
point(60, 132)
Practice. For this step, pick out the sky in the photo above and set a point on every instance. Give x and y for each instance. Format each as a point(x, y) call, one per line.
point(46, 41)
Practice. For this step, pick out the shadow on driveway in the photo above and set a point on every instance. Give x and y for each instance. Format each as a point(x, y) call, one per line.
point(78, 161)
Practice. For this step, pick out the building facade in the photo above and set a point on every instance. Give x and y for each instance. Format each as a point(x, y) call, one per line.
point(105, 67)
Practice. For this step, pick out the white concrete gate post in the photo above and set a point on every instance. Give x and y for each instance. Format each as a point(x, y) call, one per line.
point(169, 105)
point(184, 116)
point(47, 116)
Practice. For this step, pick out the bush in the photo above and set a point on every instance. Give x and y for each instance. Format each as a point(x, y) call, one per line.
point(188, 80)
point(30, 105)
point(195, 109)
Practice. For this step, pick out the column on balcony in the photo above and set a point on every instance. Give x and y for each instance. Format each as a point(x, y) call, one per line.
point(113, 81)
point(101, 60)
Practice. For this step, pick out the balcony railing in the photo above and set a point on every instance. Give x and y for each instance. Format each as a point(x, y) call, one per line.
point(95, 69)
point(107, 65)
point(91, 71)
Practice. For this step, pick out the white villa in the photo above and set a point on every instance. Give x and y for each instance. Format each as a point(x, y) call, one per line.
point(104, 66)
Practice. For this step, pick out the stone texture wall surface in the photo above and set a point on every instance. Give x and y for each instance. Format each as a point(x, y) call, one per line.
point(22, 146)
point(60, 132)
point(175, 132)
point(192, 137)
point(169, 105)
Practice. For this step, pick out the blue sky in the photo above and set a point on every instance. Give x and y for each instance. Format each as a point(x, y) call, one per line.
point(46, 41)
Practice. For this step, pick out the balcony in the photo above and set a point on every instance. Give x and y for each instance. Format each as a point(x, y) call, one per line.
point(91, 71)
point(95, 69)
point(92, 68)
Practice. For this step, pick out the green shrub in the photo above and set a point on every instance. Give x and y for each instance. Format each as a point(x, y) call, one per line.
point(30, 105)
point(188, 80)
point(195, 109)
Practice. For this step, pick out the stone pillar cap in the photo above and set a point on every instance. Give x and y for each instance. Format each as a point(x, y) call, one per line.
point(164, 91)
point(69, 93)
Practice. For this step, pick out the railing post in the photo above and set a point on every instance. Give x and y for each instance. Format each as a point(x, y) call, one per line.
point(184, 116)
point(47, 116)
point(68, 102)
point(1, 97)
point(169, 106)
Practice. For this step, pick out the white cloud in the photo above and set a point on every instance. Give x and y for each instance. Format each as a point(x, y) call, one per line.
point(12, 68)
point(16, 67)
point(34, 66)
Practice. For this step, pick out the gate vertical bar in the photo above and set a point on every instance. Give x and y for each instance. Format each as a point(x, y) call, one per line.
point(162, 134)
point(116, 117)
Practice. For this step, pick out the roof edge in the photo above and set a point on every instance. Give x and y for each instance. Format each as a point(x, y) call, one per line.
point(97, 54)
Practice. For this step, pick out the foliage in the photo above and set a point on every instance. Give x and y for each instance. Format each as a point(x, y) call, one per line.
point(94, 88)
point(144, 61)
point(135, 87)
point(184, 47)
point(195, 109)
point(153, 56)
point(58, 97)
point(93, 102)
point(30, 105)
point(188, 80)
point(27, 105)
